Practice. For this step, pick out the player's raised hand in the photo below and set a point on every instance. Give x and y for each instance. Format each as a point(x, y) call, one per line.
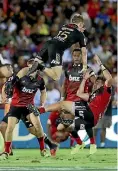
point(87, 74)
point(97, 59)
point(84, 69)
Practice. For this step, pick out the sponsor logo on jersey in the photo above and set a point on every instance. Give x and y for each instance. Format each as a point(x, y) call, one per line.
point(57, 61)
point(26, 90)
point(71, 78)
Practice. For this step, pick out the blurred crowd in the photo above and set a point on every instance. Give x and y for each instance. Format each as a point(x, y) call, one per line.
point(25, 26)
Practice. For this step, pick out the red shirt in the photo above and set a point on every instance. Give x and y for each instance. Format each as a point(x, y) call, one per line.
point(72, 82)
point(53, 117)
point(99, 102)
point(24, 95)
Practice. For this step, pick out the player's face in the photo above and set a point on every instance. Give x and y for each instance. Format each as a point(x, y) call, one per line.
point(97, 84)
point(77, 57)
point(81, 27)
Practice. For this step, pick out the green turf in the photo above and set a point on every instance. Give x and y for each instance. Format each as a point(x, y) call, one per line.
point(104, 158)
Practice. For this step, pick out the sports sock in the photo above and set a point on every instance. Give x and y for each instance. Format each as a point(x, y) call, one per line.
point(41, 143)
point(76, 137)
point(78, 141)
point(48, 142)
point(92, 140)
point(7, 147)
point(71, 141)
point(90, 134)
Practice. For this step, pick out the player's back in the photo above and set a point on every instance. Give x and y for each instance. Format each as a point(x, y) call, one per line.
point(99, 101)
point(69, 35)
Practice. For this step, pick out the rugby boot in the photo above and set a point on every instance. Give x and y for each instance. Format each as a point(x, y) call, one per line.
point(53, 149)
point(77, 148)
point(93, 149)
point(43, 152)
point(4, 156)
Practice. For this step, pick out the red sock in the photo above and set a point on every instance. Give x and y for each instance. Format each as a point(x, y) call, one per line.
point(42, 110)
point(71, 141)
point(78, 141)
point(7, 147)
point(92, 140)
point(41, 143)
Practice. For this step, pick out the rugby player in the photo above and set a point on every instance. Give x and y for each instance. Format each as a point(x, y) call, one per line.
point(28, 124)
point(52, 50)
point(73, 78)
point(24, 89)
point(87, 111)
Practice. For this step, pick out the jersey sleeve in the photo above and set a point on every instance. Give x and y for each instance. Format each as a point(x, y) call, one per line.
point(81, 39)
point(107, 89)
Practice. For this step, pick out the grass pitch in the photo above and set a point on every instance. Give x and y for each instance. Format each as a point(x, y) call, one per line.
point(30, 159)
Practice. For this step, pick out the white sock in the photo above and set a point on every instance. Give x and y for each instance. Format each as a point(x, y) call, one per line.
point(102, 144)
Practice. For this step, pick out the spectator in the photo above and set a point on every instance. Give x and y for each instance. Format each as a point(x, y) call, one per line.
point(97, 48)
point(103, 16)
point(53, 95)
point(105, 54)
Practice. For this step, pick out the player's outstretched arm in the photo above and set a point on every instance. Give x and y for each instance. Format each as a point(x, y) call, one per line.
point(80, 92)
point(106, 73)
point(43, 97)
point(84, 58)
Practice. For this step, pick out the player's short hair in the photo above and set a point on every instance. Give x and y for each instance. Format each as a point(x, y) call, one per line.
point(76, 18)
point(100, 78)
point(76, 50)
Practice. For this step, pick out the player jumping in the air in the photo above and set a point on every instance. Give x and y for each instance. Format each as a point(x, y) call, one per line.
point(52, 50)
point(87, 111)
point(24, 89)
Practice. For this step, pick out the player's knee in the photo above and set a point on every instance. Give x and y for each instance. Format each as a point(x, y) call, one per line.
point(3, 126)
point(10, 129)
point(32, 131)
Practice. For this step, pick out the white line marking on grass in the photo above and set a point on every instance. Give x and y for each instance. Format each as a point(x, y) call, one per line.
point(53, 169)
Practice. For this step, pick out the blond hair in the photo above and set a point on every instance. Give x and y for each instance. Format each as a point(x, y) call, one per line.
point(76, 18)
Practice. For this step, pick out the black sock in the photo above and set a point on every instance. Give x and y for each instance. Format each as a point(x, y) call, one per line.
point(74, 134)
point(48, 142)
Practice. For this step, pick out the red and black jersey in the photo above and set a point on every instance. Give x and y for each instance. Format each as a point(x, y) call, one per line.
point(25, 90)
point(69, 35)
point(99, 101)
point(73, 79)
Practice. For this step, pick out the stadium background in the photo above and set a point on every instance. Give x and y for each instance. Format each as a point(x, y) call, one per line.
point(24, 27)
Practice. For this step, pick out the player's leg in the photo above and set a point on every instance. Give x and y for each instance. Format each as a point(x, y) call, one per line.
point(79, 124)
point(62, 105)
point(33, 131)
point(39, 131)
point(12, 121)
point(102, 137)
point(13, 118)
point(3, 127)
